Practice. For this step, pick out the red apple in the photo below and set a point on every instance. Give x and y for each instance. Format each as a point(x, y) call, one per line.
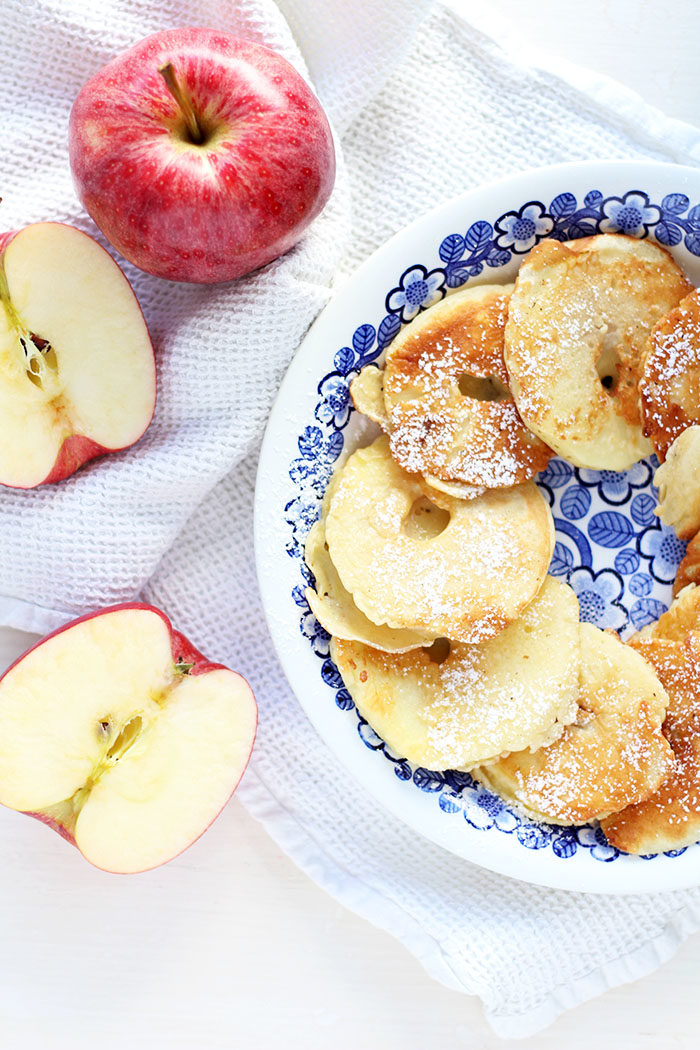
point(76, 362)
point(120, 735)
point(199, 155)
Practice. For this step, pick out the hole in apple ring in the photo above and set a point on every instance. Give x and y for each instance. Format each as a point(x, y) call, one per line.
point(425, 520)
point(439, 650)
point(482, 388)
point(607, 368)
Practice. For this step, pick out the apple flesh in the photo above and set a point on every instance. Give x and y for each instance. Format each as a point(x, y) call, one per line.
point(121, 736)
point(77, 374)
point(199, 155)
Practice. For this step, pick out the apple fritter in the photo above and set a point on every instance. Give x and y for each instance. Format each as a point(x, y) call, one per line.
point(464, 570)
point(367, 393)
point(451, 414)
point(689, 568)
point(454, 705)
point(612, 755)
point(333, 606)
point(670, 818)
point(578, 323)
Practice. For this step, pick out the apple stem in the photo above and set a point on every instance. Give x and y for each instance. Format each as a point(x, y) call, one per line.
point(177, 91)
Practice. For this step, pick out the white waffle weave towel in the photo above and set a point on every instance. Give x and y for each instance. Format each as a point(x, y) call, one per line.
point(424, 106)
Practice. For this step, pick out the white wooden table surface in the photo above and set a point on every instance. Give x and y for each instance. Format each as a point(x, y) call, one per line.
point(232, 946)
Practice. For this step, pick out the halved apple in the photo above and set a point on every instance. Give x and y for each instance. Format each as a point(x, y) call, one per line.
point(77, 374)
point(119, 734)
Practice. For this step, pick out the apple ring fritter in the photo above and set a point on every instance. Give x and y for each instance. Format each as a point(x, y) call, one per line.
point(450, 412)
point(678, 482)
point(333, 606)
point(578, 324)
point(367, 392)
point(457, 704)
point(670, 818)
point(670, 384)
point(614, 753)
point(464, 570)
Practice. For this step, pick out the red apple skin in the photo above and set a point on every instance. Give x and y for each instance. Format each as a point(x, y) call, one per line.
point(183, 651)
point(55, 825)
point(211, 212)
point(77, 449)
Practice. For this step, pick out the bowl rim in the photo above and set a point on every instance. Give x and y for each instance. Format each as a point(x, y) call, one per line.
point(421, 237)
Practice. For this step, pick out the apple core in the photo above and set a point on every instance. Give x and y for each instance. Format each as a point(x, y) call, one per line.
point(77, 375)
point(117, 733)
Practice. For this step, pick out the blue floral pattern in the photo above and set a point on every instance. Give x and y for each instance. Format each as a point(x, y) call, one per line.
point(599, 595)
point(334, 402)
point(615, 486)
point(417, 290)
point(521, 230)
point(664, 550)
point(610, 546)
point(631, 214)
point(311, 629)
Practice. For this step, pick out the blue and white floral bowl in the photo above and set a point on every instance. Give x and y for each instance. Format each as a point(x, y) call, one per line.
point(610, 545)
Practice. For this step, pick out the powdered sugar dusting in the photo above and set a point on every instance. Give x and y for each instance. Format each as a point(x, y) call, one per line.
point(614, 753)
point(466, 582)
point(513, 691)
point(670, 818)
point(572, 308)
point(670, 384)
point(463, 433)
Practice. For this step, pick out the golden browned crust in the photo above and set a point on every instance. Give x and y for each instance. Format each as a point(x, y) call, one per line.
point(446, 390)
point(670, 384)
